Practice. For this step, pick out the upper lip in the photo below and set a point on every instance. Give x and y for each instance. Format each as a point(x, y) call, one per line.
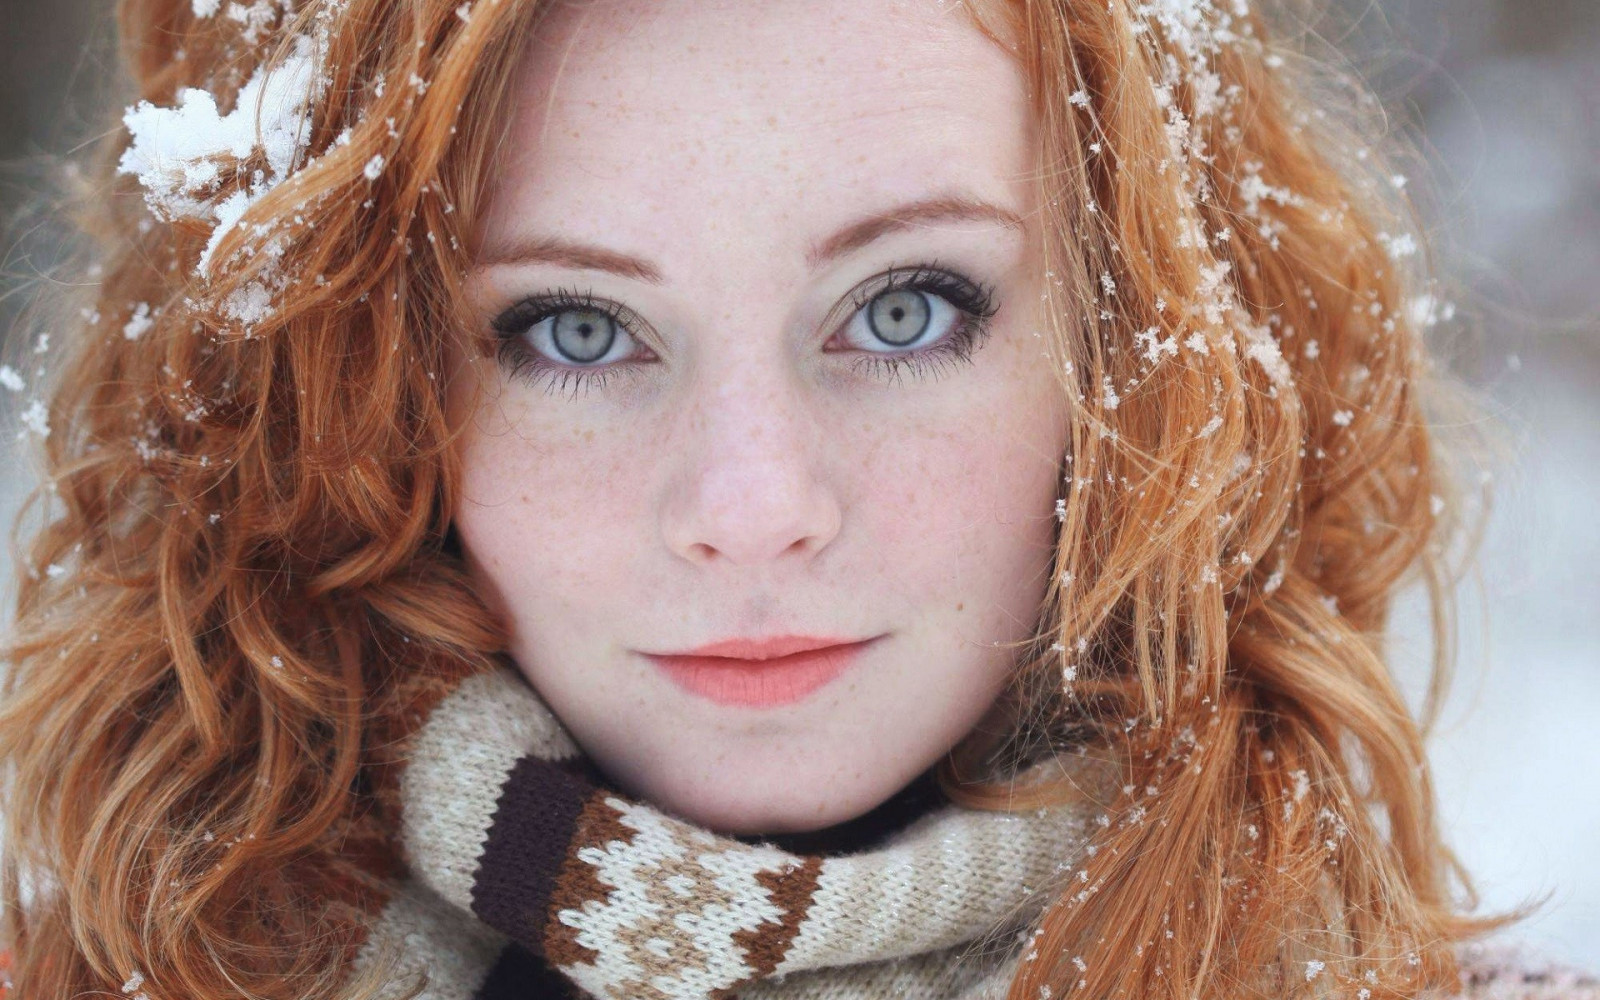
point(767, 648)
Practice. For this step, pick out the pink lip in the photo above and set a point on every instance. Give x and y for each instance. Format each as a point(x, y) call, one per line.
point(759, 672)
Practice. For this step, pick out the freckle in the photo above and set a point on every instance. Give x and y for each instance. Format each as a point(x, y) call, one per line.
point(960, 605)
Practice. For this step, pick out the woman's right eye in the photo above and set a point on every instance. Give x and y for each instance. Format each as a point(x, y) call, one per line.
point(577, 336)
point(562, 337)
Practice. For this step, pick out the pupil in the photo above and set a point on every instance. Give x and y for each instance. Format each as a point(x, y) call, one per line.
point(584, 336)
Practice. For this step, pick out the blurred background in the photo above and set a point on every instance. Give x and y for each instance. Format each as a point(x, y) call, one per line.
point(1504, 97)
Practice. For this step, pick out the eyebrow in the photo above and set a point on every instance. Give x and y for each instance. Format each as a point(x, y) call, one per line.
point(923, 212)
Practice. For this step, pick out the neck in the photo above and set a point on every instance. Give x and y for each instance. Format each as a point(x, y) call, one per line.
point(918, 798)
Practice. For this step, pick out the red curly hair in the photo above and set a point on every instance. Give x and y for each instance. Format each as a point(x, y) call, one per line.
point(247, 523)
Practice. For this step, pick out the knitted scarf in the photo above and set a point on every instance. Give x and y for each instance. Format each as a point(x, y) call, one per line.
point(525, 874)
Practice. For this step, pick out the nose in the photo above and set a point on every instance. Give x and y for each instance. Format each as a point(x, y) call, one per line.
point(748, 489)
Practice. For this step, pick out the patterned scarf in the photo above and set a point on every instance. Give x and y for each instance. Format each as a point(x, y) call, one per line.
point(526, 875)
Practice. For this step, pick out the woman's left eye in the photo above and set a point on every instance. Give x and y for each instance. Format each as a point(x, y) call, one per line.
point(904, 319)
point(903, 310)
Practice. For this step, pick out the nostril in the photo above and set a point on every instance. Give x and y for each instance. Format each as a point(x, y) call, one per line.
point(703, 552)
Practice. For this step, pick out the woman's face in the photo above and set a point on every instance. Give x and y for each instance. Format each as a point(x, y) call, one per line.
point(770, 369)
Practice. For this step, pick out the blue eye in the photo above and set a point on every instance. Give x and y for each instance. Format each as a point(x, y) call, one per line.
point(899, 317)
point(567, 338)
point(563, 337)
point(922, 305)
point(584, 337)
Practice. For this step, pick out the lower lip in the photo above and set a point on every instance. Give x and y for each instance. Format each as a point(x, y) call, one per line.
point(758, 683)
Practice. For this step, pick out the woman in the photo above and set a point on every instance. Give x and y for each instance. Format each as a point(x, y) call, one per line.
point(696, 499)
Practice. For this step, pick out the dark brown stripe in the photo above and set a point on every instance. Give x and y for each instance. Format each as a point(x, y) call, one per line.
point(529, 838)
point(765, 946)
point(519, 974)
point(577, 884)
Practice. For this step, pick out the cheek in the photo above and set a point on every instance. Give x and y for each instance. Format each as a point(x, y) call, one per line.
point(541, 515)
point(962, 515)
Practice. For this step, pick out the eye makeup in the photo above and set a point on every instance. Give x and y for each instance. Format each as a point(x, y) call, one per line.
point(527, 322)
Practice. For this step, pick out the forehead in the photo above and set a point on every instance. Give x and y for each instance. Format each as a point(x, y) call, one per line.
point(770, 113)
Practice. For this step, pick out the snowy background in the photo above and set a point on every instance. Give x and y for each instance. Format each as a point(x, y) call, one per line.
point(1507, 97)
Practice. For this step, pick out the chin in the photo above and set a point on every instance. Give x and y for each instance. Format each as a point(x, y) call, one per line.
point(738, 808)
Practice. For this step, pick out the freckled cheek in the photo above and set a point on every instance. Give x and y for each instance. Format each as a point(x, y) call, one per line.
point(964, 513)
point(955, 511)
point(546, 517)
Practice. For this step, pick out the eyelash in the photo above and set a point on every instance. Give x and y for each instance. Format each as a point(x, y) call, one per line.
point(974, 301)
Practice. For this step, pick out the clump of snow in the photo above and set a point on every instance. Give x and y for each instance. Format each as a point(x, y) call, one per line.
point(1108, 394)
point(1214, 291)
point(256, 18)
point(1302, 783)
point(1154, 345)
point(36, 418)
point(134, 982)
point(1398, 246)
point(249, 304)
point(1186, 22)
point(206, 8)
point(139, 323)
point(10, 379)
point(176, 151)
point(1426, 310)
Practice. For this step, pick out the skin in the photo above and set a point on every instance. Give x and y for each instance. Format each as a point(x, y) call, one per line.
point(739, 473)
